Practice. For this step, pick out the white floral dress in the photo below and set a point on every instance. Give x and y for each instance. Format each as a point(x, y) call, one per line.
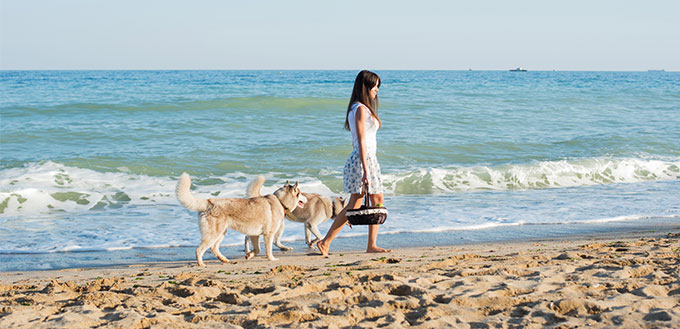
point(353, 169)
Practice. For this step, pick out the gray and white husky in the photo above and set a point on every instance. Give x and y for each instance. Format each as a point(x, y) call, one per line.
point(260, 215)
point(317, 210)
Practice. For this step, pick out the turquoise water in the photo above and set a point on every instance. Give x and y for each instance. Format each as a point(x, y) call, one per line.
point(89, 159)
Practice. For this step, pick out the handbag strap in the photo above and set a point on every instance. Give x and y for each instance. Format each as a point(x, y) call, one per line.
point(364, 190)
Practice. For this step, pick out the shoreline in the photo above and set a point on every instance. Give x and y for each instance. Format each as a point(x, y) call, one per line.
point(619, 279)
point(503, 234)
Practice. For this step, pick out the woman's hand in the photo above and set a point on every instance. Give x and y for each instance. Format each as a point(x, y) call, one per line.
point(364, 179)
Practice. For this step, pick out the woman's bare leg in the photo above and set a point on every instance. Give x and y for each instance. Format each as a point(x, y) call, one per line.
point(338, 223)
point(373, 229)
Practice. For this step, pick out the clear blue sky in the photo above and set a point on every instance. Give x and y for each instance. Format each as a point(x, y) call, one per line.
point(268, 34)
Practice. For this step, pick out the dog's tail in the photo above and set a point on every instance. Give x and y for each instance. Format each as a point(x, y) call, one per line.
point(185, 197)
point(255, 186)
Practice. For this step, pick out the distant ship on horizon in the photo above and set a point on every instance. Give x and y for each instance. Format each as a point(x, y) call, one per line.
point(662, 70)
point(519, 69)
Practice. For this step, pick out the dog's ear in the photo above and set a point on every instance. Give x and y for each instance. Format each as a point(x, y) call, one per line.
point(296, 184)
point(287, 183)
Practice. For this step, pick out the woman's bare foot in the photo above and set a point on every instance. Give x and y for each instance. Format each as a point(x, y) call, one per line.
point(377, 250)
point(323, 249)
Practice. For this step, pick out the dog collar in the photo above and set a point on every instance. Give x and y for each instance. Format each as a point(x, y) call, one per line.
point(286, 211)
point(289, 213)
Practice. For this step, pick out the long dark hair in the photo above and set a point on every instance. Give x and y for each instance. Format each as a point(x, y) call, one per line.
point(361, 93)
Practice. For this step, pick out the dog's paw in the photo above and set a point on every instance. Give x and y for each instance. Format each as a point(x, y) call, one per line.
point(250, 255)
point(273, 259)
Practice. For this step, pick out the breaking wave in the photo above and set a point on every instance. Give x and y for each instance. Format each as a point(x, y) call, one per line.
point(45, 187)
point(538, 175)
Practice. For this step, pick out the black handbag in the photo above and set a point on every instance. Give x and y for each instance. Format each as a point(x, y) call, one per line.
point(366, 215)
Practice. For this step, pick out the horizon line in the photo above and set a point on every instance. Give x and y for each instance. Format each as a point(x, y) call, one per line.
point(354, 69)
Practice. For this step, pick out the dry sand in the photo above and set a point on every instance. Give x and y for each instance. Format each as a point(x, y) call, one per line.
point(630, 282)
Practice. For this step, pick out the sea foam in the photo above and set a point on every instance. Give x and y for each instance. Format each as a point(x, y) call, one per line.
point(537, 175)
point(45, 187)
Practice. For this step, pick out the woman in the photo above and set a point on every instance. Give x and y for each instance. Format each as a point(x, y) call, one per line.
point(362, 166)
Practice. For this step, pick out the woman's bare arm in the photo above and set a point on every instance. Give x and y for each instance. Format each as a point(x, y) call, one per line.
point(361, 116)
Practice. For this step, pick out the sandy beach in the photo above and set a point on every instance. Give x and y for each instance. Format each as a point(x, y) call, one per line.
point(625, 280)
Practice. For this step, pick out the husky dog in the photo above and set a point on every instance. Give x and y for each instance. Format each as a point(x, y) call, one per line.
point(317, 209)
point(254, 216)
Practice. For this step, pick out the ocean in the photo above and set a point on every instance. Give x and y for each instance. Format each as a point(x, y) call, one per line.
point(89, 159)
